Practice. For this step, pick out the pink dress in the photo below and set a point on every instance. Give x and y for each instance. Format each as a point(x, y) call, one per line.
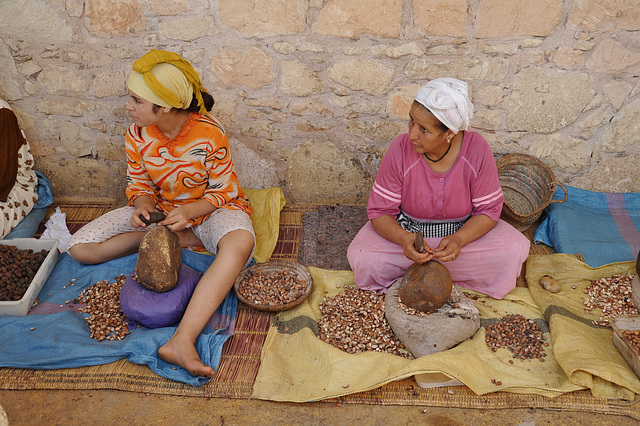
point(405, 183)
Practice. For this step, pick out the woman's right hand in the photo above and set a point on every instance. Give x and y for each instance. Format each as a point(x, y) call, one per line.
point(143, 205)
point(135, 220)
point(387, 227)
point(408, 245)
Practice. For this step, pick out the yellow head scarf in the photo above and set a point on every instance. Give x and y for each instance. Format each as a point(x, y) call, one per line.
point(166, 79)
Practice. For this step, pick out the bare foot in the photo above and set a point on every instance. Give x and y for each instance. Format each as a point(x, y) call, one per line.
point(188, 239)
point(184, 354)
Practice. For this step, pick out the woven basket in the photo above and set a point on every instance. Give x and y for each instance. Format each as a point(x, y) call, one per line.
point(275, 266)
point(528, 186)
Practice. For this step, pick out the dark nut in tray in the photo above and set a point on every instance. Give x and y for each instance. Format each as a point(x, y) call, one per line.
point(17, 269)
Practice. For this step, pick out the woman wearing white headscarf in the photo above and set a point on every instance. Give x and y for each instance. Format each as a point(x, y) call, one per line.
point(440, 178)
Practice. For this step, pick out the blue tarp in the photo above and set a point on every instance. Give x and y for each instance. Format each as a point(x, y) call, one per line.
point(61, 337)
point(602, 226)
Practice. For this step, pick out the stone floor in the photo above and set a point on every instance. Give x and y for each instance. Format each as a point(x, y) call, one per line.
point(119, 407)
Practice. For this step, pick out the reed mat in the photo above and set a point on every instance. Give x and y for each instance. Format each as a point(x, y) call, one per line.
point(327, 232)
point(241, 354)
point(407, 392)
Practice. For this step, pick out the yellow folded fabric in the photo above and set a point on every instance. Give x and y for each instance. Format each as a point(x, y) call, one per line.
point(266, 205)
point(585, 351)
point(297, 366)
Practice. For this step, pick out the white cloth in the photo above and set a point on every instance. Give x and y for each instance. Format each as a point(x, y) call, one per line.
point(56, 229)
point(448, 99)
point(459, 304)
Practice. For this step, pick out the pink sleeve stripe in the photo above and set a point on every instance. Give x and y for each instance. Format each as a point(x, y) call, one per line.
point(394, 198)
point(492, 196)
point(492, 200)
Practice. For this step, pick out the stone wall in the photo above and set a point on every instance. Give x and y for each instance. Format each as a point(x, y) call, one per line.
point(312, 92)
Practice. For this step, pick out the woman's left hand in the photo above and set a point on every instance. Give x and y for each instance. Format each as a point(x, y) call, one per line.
point(449, 248)
point(177, 219)
point(474, 228)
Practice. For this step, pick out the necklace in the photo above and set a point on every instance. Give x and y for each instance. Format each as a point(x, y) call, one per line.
point(443, 155)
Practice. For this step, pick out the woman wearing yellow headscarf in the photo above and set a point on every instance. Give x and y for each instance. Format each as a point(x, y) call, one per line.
point(179, 163)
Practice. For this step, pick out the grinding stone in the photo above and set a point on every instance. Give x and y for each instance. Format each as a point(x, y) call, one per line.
point(159, 259)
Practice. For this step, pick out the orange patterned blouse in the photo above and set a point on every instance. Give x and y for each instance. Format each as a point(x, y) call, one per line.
point(195, 164)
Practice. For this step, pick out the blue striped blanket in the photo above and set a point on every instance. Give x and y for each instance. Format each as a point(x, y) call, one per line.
point(602, 226)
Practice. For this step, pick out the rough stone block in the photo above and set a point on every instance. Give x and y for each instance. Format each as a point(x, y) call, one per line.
point(159, 259)
point(424, 335)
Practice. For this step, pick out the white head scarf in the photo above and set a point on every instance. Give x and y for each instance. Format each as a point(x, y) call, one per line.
point(448, 99)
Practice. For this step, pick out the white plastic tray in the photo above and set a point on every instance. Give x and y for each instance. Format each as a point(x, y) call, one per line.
point(21, 307)
point(435, 380)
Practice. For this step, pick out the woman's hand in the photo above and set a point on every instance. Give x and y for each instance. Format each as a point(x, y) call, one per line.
point(143, 205)
point(449, 248)
point(408, 245)
point(474, 228)
point(389, 228)
point(177, 219)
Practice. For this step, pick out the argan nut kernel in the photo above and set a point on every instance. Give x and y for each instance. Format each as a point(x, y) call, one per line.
point(549, 283)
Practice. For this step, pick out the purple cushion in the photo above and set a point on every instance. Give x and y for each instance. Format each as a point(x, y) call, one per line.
point(154, 310)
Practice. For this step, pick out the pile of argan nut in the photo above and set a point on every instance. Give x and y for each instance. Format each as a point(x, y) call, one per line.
point(106, 320)
point(612, 295)
point(520, 335)
point(17, 269)
point(411, 311)
point(633, 336)
point(353, 321)
point(272, 288)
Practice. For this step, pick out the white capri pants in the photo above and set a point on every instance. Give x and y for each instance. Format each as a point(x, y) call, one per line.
point(116, 222)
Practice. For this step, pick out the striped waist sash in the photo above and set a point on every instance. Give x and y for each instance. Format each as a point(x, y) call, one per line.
point(428, 229)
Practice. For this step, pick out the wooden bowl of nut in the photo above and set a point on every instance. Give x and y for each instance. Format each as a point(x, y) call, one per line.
point(273, 286)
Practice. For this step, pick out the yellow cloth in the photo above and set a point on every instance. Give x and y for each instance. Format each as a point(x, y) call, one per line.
point(166, 79)
point(585, 352)
point(297, 366)
point(266, 205)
